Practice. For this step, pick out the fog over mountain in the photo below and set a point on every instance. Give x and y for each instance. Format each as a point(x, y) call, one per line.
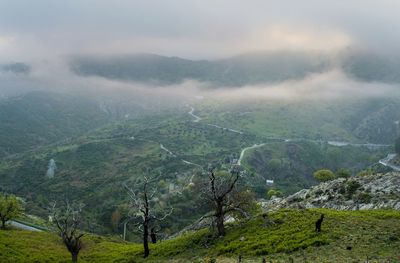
point(233, 44)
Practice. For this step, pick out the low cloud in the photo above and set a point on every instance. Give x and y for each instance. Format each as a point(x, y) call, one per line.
point(325, 86)
point(333, 84)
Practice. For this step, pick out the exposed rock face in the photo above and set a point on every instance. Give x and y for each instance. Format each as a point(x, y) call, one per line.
point(356, 193)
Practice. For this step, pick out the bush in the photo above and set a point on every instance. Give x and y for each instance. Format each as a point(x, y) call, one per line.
point(343, 173)
point(365, 172)
point(324, 175)
point(274, 192)
point(352, 187)
point(364, 198)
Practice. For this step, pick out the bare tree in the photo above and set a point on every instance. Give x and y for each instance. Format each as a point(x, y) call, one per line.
point(68, 220)
point(222, 193)
point(145, 210)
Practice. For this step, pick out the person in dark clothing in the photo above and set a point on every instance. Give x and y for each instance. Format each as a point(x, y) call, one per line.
point(153, 236)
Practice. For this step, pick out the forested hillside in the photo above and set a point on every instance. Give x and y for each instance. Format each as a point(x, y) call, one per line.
point(39, 118)
point(100, 156)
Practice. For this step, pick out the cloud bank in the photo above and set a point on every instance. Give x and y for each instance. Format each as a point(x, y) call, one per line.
point(44, 33)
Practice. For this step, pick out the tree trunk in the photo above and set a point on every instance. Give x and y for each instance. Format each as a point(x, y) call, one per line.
point(3, 224)
point(146, 239)
point(74, 257)
point(220, 221)
point(220, 225)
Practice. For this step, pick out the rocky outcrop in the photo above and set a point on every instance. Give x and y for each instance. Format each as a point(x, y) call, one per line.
point(377, 191)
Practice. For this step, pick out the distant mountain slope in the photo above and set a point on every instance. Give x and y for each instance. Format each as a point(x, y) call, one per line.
point(372, 67)
point(39, 118)
point(374, 120)
point(246, 69)
point(16, 67)
point(236, 71)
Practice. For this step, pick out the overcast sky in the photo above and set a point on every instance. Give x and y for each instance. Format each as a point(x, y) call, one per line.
point(194, 29)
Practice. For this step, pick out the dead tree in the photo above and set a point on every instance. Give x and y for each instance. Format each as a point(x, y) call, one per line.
point(68, 221)
point(222, 194)
point(145, 211)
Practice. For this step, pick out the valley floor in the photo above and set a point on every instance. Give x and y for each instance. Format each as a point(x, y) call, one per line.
point(283, 236)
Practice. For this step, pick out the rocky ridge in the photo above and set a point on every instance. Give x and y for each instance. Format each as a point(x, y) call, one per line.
point(378, 191)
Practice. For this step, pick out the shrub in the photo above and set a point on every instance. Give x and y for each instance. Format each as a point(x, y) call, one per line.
point(364, 198)
point(274, 192)
point(342, 190)
point(343, 173)
point(324, 175)
point(352, 187)
point(365, 172)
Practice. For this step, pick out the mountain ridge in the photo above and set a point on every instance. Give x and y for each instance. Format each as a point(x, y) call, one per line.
point(240, 70)
point(376, 191)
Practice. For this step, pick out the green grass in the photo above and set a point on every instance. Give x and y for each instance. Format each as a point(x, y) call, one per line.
point(375, 234)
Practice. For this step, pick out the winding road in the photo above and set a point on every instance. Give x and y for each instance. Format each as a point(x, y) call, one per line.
point(196, 118)
point(175, 156)
point(23, 226)
point(385, 161)
point(246, 149)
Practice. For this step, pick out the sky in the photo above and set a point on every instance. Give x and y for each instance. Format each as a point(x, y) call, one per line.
point(197, 29)
point(45, 33)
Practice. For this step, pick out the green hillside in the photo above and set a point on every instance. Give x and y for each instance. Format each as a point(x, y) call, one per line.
point(240, 70)
point(348, 119)
point(94, 165)
point(283, 236)
point(39, 118)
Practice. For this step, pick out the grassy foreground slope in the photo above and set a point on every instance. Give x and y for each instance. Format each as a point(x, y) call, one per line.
point(348, 236)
